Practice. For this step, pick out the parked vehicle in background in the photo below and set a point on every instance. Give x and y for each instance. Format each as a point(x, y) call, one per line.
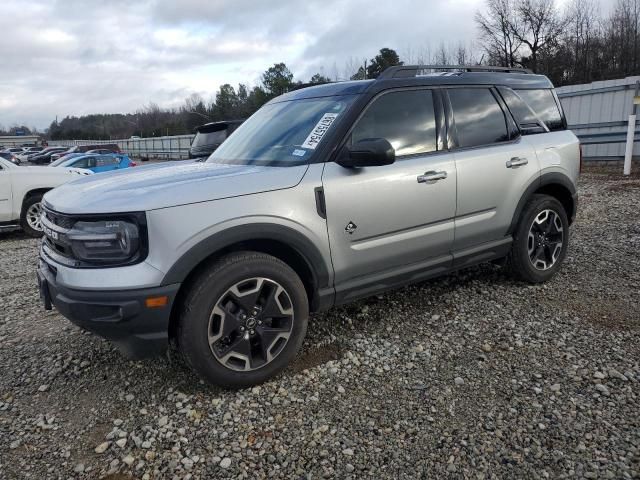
point(96, 163)
point(44, 157)
point(80, 149)
point(325, 195)
point(11, 157)
point(14, 150)
point(28, 151)
point(67, 156)
point(210, 136)
point(21, 191)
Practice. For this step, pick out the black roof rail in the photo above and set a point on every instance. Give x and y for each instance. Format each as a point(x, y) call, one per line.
point(407, 71)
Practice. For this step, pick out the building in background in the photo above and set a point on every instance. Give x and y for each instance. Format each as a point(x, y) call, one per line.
point(19, 140)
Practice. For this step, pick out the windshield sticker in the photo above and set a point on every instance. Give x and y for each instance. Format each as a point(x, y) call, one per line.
point(299, 153)
point(319, 130)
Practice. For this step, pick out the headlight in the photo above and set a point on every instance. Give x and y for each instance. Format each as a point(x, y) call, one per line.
point(105, 241)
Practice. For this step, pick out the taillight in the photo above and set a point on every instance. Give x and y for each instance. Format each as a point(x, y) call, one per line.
point(133, 164)
point(580, 148)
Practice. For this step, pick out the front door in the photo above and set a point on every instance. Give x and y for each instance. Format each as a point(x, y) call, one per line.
point(5, 194)
point(388, 223)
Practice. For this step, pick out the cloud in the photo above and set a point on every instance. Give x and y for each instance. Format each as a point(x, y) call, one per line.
point(73, 57)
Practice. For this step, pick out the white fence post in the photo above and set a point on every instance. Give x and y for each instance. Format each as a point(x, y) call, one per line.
point(628, 154)
point(631, 130)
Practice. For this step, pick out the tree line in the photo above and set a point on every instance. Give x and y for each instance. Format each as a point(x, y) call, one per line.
point(578, 44)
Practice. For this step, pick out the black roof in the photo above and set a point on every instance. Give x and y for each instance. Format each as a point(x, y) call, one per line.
point(216, 126)
point(410, 75)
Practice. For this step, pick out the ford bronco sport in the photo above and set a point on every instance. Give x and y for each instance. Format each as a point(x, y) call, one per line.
point(326, 195)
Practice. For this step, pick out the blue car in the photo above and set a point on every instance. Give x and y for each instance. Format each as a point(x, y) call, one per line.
point(96, 163)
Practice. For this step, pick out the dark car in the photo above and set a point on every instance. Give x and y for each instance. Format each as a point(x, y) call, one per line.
point(210, 136)
point(44, 157)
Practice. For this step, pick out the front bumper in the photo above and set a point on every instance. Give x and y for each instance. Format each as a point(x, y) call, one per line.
point(121, 316)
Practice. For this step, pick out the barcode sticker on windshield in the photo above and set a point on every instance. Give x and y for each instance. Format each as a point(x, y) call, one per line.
point(319, 130)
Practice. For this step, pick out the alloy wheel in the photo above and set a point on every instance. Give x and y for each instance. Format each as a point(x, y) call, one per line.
point(545, 239)
point(250, 324)
point(33, 215)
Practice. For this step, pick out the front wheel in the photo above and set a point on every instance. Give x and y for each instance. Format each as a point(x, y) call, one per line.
point(244, 320)
point(30, 216)
point(541, 240)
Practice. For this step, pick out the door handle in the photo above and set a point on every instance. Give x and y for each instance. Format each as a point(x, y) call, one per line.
point(431, 176)
point(516, 162)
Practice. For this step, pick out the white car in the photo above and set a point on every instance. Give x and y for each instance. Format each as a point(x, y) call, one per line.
point(21, 190)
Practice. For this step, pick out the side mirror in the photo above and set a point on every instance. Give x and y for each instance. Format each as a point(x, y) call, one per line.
point(369, 152)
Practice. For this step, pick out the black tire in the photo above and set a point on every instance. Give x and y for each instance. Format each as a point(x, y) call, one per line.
point(210, 288)
point(24, 223)
point(522, 266)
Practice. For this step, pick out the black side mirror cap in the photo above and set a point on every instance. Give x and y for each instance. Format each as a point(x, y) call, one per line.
point(368, 152)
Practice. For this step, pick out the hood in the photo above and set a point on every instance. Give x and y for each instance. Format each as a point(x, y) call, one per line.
point(150, 187)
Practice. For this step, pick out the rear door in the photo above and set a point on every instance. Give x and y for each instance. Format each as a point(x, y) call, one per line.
point(494, 166)
point(384, 221)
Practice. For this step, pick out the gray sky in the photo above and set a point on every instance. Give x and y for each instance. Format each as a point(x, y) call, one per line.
point(73, 57)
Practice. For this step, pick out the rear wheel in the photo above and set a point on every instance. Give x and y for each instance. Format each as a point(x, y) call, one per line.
point(244, 320)
point(30, 216)
point(541, 240)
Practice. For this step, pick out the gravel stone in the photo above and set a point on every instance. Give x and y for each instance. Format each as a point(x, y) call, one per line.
point(102, 447)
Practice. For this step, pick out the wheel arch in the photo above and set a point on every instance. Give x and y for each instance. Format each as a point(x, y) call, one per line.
point(284, 243)
point(31, 193)
point(554, 184)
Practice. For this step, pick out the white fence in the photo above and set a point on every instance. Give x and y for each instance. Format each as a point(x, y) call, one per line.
point(598, 113)
point(170, 147)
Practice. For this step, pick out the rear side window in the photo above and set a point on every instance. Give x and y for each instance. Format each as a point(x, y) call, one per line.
point(522, 113)
point(544, 104)
point(406, 119)
point(106, 161)
point(478, 117)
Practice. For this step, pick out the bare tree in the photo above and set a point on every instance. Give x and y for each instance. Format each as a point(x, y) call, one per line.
point(539, 27)
point(497, 32)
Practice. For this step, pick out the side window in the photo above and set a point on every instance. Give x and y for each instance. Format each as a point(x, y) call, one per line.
point(478, 117)
point(406, 119)
point(91, 162)
point(82, 163)
point(523, 114)
point(544, 104)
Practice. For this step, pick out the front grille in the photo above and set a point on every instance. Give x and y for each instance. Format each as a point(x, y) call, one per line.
point(56, 226)
point(58, 219)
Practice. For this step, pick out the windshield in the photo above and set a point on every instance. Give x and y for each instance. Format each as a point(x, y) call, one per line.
point(58, 161)
point(282, 134)
point(210, 138)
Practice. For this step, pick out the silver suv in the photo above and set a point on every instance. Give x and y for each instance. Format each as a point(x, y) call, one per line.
point(326, 195)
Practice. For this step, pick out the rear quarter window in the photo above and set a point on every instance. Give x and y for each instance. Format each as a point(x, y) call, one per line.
point(544, 104)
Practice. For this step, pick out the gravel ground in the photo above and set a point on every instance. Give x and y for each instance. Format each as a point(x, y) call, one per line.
point(469, 376)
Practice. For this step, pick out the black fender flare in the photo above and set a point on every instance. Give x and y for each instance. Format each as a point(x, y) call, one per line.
point(550, 178)
point(250, 232)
